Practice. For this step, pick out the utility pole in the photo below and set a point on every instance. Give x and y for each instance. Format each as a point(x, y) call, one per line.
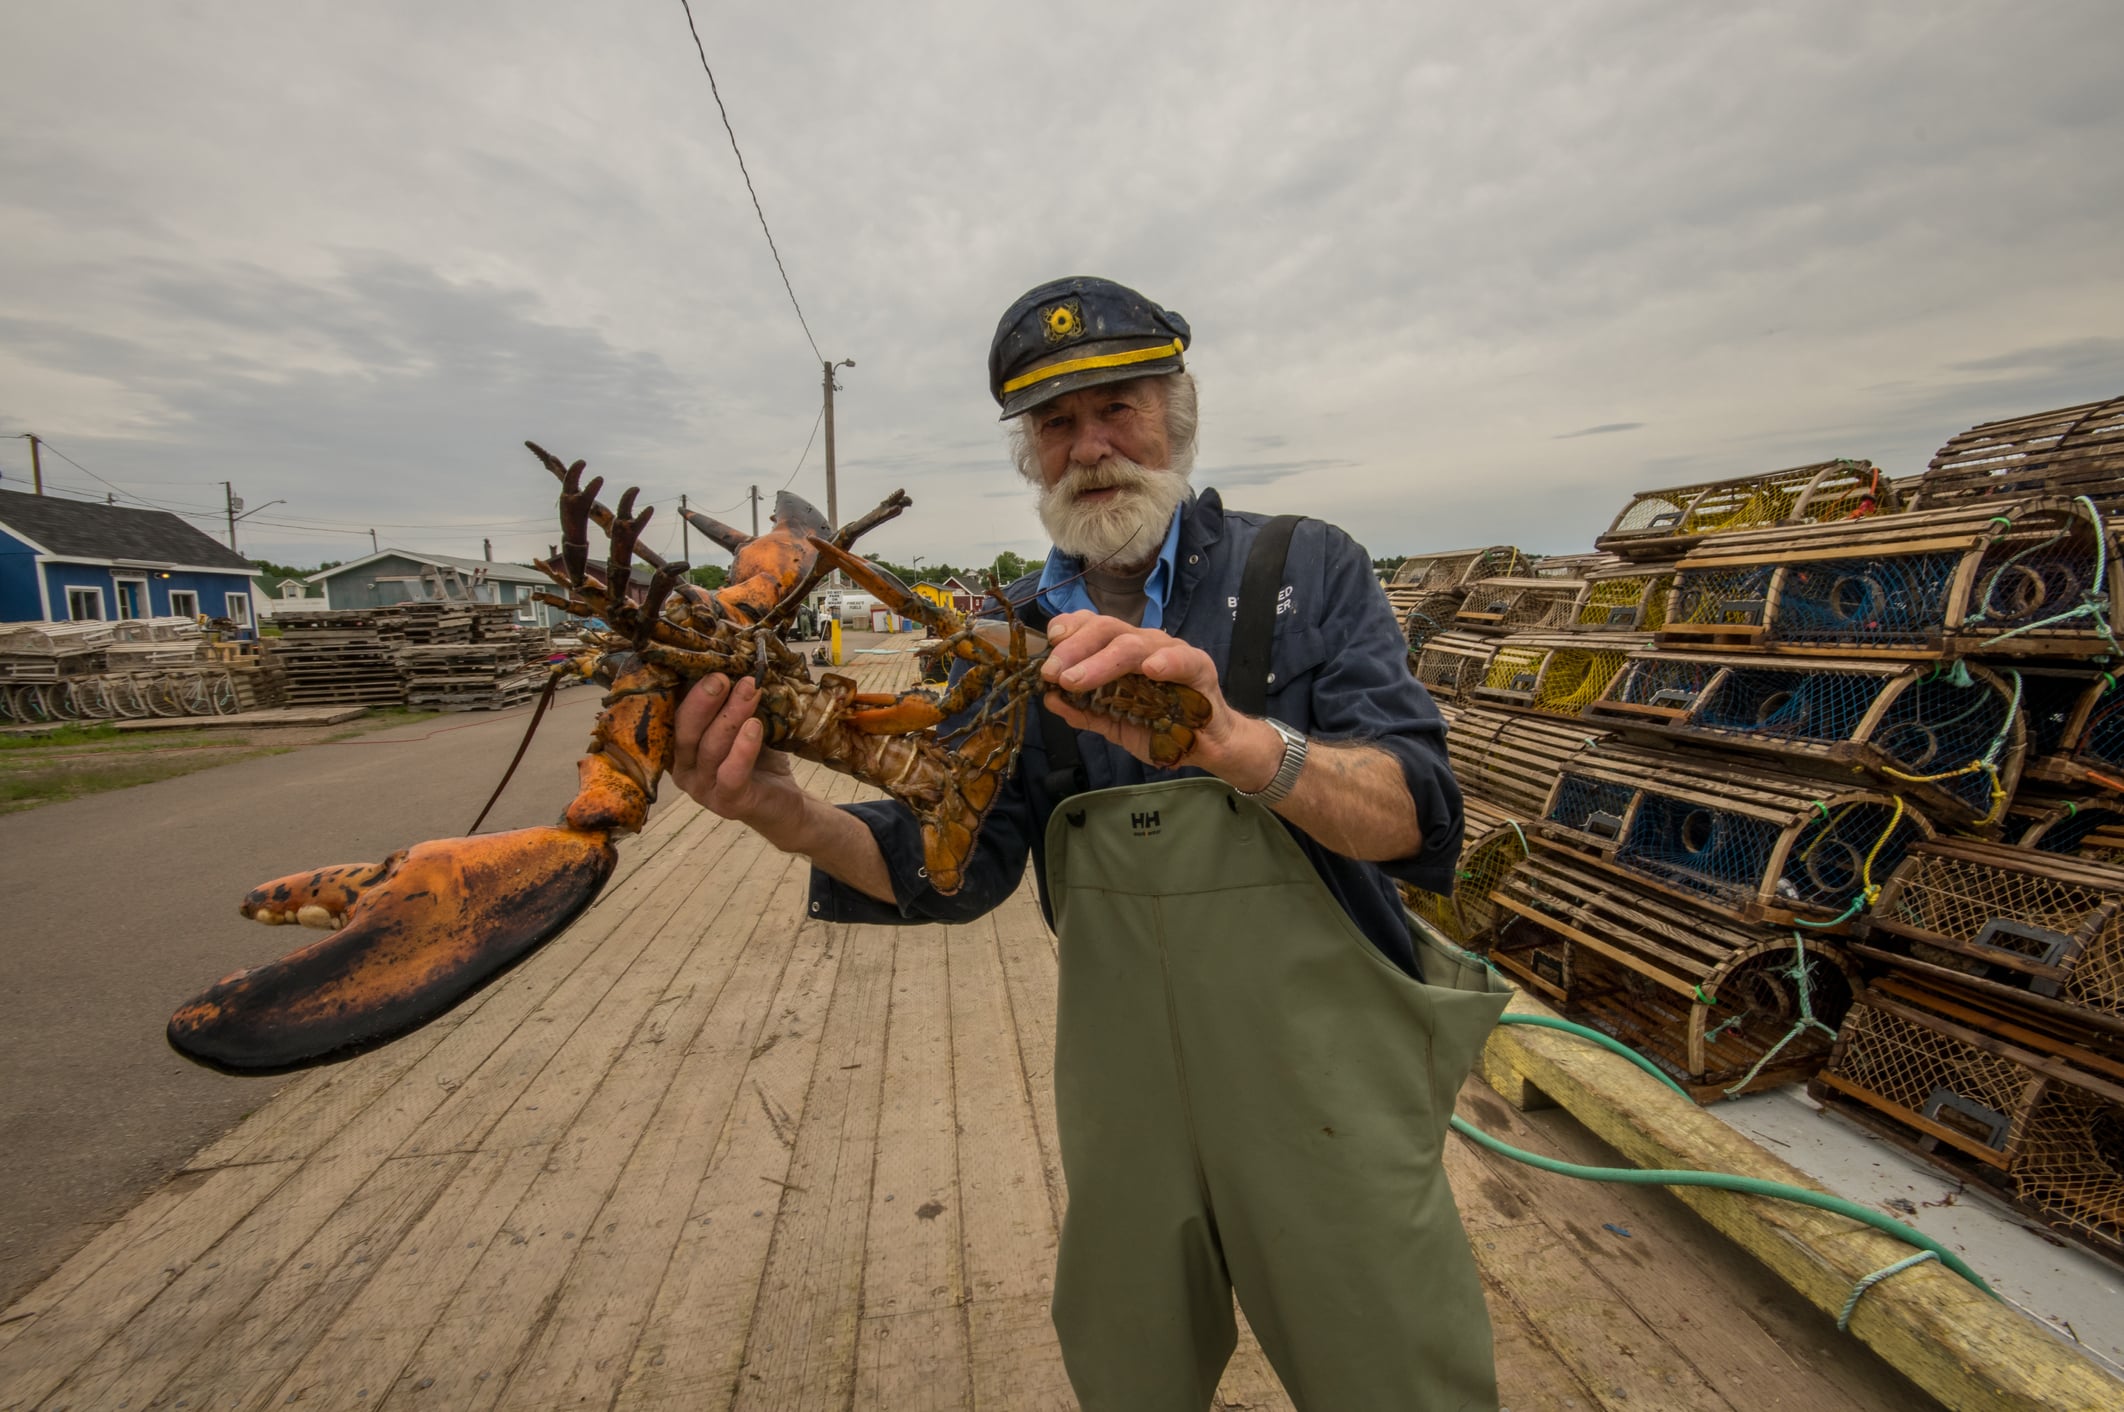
point(488, 545)
point(755, 512)
point(36, 466)
point(229, 496)
point(685, 538)
point(833, 503)
point(372, 542)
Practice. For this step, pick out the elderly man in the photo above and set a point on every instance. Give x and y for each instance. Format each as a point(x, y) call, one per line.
point(1255, 1053)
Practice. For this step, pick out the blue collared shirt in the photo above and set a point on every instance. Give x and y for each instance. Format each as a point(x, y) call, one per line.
point(1062, 585)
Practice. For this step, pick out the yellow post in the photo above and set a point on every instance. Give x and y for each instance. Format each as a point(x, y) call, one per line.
point(835, 637)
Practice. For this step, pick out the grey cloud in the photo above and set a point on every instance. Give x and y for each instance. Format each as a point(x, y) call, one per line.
point(1603, 429)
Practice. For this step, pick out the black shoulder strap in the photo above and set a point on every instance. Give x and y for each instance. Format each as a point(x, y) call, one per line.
point(1065, 767)
point(1246, 680)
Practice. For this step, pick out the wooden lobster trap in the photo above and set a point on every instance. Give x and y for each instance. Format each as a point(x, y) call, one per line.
point(2087, 748)
point(2092, 829)
point(1511, 760)
point(1747, 843)
point(1624, 598)
point(1452, 664)
point(1425, 613)
point(1952, 741)
point(2033, 1111)
point(1502, 606)
point(2023, 578)
point(1725, 1009)
point(1665, 524)
point(2066, 451)
point(1457, 568)
point(1558, 674)
point(1494, 841)
point(2034, 926)
point(1570, 566)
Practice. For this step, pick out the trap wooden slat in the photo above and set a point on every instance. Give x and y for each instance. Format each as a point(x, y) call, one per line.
point(2069, 451)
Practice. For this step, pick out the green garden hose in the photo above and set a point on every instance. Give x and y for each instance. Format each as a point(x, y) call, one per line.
point(1724, 1181)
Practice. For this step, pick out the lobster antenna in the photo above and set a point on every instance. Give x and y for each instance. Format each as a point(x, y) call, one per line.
point(1080, 573)
point(545, 699)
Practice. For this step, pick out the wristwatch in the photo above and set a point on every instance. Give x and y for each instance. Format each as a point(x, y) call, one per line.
point(1279, 789)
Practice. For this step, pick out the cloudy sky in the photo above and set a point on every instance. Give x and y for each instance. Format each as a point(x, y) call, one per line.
point(1458, 273)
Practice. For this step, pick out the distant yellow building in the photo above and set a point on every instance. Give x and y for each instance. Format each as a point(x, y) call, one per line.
point(935, 593)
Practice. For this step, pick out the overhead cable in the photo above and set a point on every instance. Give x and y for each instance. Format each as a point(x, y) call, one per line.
point(771, 249)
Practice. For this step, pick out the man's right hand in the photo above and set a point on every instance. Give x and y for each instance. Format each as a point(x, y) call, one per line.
point(720, 758)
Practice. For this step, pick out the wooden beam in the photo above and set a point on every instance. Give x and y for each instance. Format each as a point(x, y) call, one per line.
point(1962, 1347)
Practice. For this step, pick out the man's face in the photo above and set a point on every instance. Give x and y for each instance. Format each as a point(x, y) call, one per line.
point(1107, 483)
point(1085, 427)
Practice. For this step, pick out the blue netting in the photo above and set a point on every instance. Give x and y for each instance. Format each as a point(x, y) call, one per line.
point(1655, 681)
point(1827, 866)
point(2048, 703)
point(1700, 847)
point(1873, 601)
point(2103, 739)
point(1585, 805)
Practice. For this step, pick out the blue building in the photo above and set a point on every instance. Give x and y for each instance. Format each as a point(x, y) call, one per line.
point(76, 559)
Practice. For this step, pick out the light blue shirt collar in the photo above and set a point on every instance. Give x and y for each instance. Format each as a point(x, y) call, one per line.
point(1063, 591)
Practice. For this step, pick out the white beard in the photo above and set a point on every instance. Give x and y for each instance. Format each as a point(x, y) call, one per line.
point(1130, 526)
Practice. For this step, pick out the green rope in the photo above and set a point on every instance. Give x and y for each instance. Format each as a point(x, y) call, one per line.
point(2092, 604)
point(1821, 806)
point(1800, 973)
point(1702, 998)
point(1843, 1318)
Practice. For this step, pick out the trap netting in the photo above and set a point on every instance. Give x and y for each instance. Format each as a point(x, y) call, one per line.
point(1570, 566)
point(1559, 676)
point(1724, 1008)
point(1868, 602)
point(2099, 746)
point(2055, 704)
point(1948, 737)
point(1668, 521)
point(1494, 841)
point(2028, 1112)
point(2077, 828)
point(1753, 845)
point(1655, 686)
point(1452, 664)
point(2046, 924)
point(1428, 613)
point(1723, 597)
point(1624, 600)
point(1503, 606)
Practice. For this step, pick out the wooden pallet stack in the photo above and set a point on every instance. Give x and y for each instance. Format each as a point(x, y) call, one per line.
point(430, 621)
point(342, 657)
point(469, 676)
point(1850, 808)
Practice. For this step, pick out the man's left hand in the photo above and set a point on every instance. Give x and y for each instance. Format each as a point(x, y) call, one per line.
point(1088, 650)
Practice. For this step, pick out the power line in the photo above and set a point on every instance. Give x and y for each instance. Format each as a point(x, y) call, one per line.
point(748, 182)
point(815, 421)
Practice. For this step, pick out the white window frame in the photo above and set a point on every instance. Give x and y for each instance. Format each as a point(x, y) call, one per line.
point(71, 590)
point(238, 607)
point(177, 593)
point(146, 604)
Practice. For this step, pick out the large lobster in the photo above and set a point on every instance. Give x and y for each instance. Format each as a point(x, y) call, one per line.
point(412, 935)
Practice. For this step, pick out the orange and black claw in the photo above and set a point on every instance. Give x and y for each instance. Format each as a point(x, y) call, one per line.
point(417, 933)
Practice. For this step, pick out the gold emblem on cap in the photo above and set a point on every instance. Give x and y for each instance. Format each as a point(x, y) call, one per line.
point(1064, 322)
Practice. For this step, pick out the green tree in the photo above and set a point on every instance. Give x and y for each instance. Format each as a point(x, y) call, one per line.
point(1009, 566)
point(710, 576)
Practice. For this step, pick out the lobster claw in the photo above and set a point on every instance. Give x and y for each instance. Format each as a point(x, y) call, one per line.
point(416, 934)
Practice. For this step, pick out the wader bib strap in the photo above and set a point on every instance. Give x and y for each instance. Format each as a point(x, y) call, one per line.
point(1250, 1096)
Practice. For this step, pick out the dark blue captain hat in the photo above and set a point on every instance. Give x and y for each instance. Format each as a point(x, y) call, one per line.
point(1079, 332)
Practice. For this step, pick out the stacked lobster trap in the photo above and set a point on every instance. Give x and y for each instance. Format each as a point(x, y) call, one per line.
point(1846, 803)
point(1428, 589)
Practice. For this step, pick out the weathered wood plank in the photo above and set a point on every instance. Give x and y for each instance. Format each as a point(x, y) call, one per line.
point(803, 1342)
point(912, 1344)
point(581, 1354)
